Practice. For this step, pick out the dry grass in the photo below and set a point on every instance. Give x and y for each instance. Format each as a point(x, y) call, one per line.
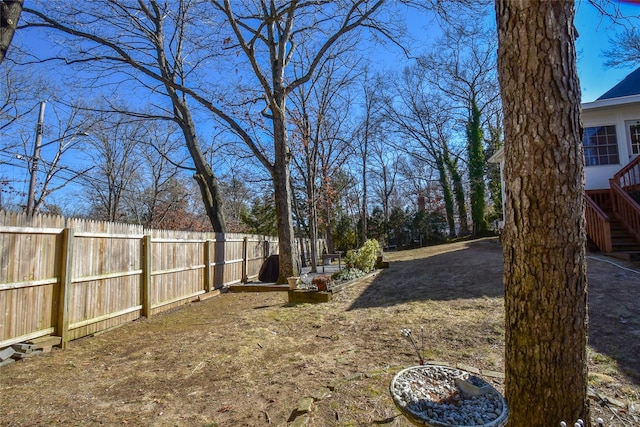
point(247, 359)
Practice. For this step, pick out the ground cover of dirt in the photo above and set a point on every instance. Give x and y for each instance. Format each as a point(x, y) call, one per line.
point(247, 359)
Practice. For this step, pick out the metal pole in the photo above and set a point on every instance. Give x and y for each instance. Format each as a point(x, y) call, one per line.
point(34, 162)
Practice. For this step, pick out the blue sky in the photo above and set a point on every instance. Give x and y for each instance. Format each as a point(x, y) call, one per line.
point(595, 31)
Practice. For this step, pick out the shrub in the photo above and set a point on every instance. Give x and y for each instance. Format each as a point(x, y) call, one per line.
point(349, 259)
point(347, 274)
point(364, 258)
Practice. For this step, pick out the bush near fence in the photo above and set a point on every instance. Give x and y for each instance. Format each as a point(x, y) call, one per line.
point(74, 277)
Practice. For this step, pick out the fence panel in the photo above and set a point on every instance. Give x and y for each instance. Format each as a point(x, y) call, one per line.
point(258, 249)
point(105, 277)
point(29, 275)
point(177, 268)
point(231, 258)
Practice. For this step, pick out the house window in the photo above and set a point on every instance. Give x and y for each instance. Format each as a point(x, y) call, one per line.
point(600, 146)
point(634, 135)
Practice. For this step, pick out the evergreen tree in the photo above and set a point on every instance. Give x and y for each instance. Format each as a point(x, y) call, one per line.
point(261, 218)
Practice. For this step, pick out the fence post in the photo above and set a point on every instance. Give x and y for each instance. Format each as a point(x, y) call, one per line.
point(207, 266)
point(65, 285)
point(245, 259)
point(145, 283)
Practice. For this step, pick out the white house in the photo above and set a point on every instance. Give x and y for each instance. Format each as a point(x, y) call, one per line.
point(611, 131)
point(611, 142)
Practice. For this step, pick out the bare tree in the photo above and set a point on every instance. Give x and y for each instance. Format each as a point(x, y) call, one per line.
point(385, 169)
point(624, 50)
point(268, 36)
point(11, 109)
point(265, 35)
point(162, 196)
point(423, 120)
point(113, 149)
point(365, 132)
point(319, 112)
point(12, 97)
point(152, 48)
point(544, 236)
point(463, 68)
point(305, 152)
point(49, 171)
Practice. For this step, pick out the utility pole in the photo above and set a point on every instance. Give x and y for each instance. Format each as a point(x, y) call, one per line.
point(34, 162)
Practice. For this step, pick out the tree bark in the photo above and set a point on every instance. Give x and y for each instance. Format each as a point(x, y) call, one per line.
point(275, 30)
point(544, 238)
point(204, 176)
point(281, 176)
point(365, 201)
point(458, 192)
point(10, 11)
point(443, 179)
point(476, 171)
point(283, 196)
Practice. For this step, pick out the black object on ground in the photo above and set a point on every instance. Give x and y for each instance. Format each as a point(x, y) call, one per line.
point(270, 269)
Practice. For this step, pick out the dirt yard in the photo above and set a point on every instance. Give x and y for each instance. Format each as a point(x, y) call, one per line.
point(248, 359)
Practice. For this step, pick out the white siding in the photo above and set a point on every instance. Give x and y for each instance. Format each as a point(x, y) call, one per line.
point(601, 113)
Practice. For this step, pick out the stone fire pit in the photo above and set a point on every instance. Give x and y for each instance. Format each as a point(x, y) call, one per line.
point(441, 396)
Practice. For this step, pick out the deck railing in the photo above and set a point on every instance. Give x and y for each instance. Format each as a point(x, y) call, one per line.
point(626, 181)
point(598, 225)
point(602, 197)
point(627, 209)
point(628, 178)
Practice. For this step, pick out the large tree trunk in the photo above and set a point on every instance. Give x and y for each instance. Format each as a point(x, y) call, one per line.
point(365, 202)
point(211, 198)
point(447, 196)
point(204, 176)
point(10, 11)
point(458, 191)
point(312, 215)
point(282, 189)
point(544, 237)
point(476, 171)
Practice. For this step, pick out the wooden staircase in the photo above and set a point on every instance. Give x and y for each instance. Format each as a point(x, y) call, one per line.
point(623, 243)
point(613, 216)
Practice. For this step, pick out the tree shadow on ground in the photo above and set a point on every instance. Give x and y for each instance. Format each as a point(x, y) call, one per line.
point(470, 270)
point(474, 270)
point(614, 313)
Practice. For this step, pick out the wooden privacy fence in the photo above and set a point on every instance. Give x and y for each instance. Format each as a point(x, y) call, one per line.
point(73, 278)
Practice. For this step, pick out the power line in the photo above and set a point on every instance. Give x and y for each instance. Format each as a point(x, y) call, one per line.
point(68, 174)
